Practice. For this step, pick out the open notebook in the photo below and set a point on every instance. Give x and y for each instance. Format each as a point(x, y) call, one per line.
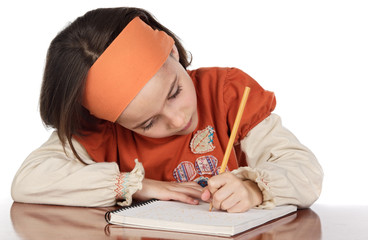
point(181, 217)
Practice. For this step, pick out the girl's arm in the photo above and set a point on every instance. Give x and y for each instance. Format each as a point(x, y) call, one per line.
point(285, 171)
point(51, 176)
point(280, 171)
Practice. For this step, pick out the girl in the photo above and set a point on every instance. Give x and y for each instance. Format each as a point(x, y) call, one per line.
point(132, 123)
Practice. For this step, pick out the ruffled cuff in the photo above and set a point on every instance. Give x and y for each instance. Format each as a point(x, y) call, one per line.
point(245, 173)
point(127, 183)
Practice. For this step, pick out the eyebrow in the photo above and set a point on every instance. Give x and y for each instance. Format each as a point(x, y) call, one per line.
point(168, 95)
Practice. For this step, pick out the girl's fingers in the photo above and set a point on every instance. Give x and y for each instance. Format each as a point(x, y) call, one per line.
point(187, 189)
point(221, 195)
point(183, 198)
point(229, 193)
point(235, 204)
point(206, 195)
point(168, 191)
point(215, 183)
point(218, 181)
point(239, 207)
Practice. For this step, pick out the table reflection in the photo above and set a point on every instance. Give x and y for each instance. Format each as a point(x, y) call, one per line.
point(33, 221)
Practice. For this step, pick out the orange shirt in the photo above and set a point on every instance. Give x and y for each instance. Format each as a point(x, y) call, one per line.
point(196, 156)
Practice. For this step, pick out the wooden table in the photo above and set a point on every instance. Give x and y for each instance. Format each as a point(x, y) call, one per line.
point(32, 221)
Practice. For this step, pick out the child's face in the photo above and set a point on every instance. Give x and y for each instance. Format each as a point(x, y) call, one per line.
point(166, 105)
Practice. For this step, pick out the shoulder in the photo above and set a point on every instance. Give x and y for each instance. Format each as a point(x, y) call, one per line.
point(227, 81)
point(225, 87)
point(221, 75)
point(213, 73)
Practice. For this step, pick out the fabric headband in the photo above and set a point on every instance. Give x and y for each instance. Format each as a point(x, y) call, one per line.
point(122, 70)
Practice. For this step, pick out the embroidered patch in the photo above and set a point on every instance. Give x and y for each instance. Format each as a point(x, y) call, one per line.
point(184, 172)
point(206, 165)
point(202, 142)
point(202, 181)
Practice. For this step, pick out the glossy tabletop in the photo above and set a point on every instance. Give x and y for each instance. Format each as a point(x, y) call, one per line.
point(32, 221)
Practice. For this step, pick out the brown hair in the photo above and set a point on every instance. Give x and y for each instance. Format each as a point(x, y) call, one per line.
point(71, 54)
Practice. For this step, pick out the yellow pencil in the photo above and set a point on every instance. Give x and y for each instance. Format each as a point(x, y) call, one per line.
point(234, 131)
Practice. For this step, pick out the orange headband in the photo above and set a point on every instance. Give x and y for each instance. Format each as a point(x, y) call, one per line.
point(122, 70)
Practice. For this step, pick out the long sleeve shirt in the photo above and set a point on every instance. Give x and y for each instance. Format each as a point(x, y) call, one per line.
point(115, 160)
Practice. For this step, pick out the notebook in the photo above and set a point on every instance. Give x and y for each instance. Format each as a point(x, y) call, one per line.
point(181, 217)
point(272, 227)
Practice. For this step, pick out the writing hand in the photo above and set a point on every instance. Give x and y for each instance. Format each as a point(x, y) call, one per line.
point(231, 194)
point(187, 192)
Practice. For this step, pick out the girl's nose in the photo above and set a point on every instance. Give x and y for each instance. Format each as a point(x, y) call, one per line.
point(175, 119)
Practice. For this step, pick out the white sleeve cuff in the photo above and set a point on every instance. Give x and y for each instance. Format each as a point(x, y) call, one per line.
point(129, 183)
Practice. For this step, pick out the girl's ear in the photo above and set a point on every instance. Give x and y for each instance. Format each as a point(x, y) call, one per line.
point(175, 53)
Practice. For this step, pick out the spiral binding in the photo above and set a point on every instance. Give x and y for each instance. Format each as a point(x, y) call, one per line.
point(133, 205)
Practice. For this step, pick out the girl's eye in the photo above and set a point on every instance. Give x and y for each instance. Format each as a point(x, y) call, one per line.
point(145, 128)
point(178, 90)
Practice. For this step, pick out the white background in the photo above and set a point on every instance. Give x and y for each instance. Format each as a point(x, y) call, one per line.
point(312, 54)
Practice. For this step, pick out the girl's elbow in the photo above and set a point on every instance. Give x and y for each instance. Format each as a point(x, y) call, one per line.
point(18, 192)
point(22, 190)
point(311, 192)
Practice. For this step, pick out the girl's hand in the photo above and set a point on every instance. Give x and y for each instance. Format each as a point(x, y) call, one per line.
point(187, 192)
point(231, 194)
